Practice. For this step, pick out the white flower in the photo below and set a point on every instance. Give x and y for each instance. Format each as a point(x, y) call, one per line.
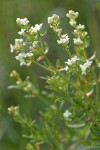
point(65, 69)
point(33, 30)
point(22, 32)
point(19, 43)
point(72, 22)
point(50, 20)
point(23, 21)
point(63, 39)
point(78, 41)
point(72, 60)
point(80, 27)
point(21, 57)
point(35, 44)
point(25, 64)
point(85, 66)
point(72, 15)
point(36, 28)
point(12, 48)
point(84, 34)
point(54, 22)
point(69, 62)
point(53, 19)
point(58, 31)
point(13, 110)
point(66, 114)
point(76, 32)
point(13, 73)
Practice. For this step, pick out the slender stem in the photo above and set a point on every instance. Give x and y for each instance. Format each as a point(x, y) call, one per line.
point(97, 91)
point(97, 96)
point(43, 67)
point(69, 82)
point(48, 61)
point(43, 50)
point(41, 44)
point(68, 51)
point(45, 101)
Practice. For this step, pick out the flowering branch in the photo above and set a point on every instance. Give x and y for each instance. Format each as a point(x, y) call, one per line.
point(71, 114)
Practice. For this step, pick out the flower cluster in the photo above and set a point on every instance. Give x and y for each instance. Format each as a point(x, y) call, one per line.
point(28, 47)
point(84, 67)
point(13, 110)
point(22, 56)
point(80, 36)
point(36, 29)
point(78, 41)
point(70, 63)
point(19, 45)
point(72, 60)
point(23, 21)
point(72, 16)
point(64, 39)
point(25, 85)
point(54, 23)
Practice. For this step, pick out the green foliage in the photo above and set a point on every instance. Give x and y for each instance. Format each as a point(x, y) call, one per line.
point(71, 113)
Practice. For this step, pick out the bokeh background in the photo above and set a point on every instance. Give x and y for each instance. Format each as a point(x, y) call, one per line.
point(36, 11)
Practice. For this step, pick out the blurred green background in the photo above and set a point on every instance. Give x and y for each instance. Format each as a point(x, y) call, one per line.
point(36, 11)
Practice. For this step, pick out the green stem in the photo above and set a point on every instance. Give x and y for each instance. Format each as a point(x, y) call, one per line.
point(68, 51)
point(45, 101)
point(97, 96)
point(69, 82)
point(97, 91)
point(43, 50)
point(43, 67)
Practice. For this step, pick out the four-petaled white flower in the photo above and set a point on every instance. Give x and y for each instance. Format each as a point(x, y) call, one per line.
point(23, 21)
point(12, 48)
point(19, 43)
point(36, 28)
point(21, 57)
point(80, 27)
point(63, 39)
point(22, 32)
point(72, 15)
point(72, 22)
point(66, 114)
point(69, 63)
point(85, 66)
point(72, 60)
point(78, 41)
point(64, 69)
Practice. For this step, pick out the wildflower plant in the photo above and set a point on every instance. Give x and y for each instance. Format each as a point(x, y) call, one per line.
point(71, 115)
